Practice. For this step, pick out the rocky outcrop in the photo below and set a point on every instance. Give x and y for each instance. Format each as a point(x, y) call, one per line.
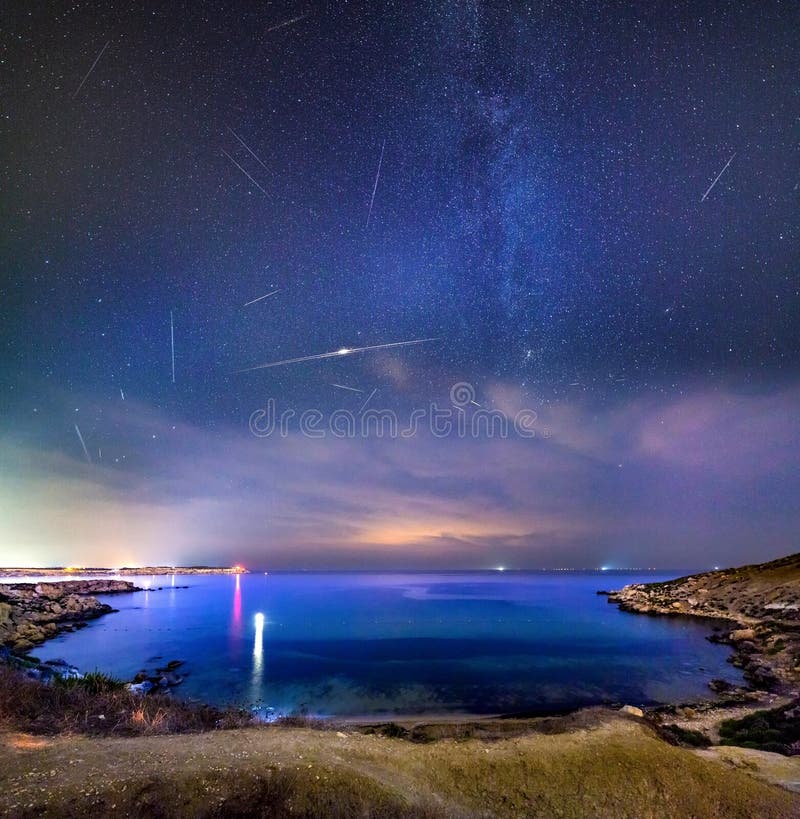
point(757, 609)
point(31, 613)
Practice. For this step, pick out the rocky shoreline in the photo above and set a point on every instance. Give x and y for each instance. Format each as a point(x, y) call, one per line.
point(31, 613)
point(125, 571)
point(754, 609)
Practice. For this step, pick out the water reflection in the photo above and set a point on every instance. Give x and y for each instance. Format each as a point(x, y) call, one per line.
point(147, 584)
point(237, 606)
point(258, 659)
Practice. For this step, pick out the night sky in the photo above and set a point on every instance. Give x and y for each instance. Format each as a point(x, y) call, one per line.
point(532, 186)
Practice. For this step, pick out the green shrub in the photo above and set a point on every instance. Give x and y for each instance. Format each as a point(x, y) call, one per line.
point(686, 736)
point(764, 730)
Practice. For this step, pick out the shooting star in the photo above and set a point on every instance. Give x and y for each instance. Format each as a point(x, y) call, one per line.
point(244, 172)
point(343, 387)
point(375, 187)
point(288, 22)
point(122, 393)
point(172, 341)
point(266, 296)
point(83, 444)
point(257, 157)
point(337, 354)
point(710, 187)
point(96, 61)
point(369, 398)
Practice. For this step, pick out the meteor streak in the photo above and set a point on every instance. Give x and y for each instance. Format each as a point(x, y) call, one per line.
point(375, 187)
point(85, 450)
point(86, 76)
point(337, 353)
point(288, 22)
point(267, 295)
point(343, 387)
point(244, 172)
point(257, 157)
point(369, 398)
point(172, 340)
point(717, 179)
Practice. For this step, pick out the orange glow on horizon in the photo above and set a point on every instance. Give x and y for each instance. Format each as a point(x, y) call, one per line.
point(404, 533)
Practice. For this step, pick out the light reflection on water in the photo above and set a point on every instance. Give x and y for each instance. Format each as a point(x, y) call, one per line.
point(378, 644)
point(257, 685)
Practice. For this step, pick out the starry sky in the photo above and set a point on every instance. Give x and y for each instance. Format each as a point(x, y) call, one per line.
point(590, 211)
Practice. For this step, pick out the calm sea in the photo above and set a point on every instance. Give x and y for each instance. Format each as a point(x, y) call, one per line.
point(383, 644)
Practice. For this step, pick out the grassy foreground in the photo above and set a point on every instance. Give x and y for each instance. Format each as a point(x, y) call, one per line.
point(99, 705)
point(601, 764)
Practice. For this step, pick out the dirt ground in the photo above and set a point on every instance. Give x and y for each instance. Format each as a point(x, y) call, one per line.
point(609, 766)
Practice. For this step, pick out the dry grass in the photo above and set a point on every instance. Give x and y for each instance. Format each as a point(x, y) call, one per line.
point(609, 767)
point(101, 708)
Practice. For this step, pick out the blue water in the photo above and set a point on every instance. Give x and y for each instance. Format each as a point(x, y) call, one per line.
point(380, 644)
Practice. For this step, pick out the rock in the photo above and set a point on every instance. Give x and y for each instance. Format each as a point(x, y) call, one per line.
point(140, 688)
point(719, 686)
point(740, 634)
point(761, 676)
point(632, 710)
point(31, 613)
point(172, 665)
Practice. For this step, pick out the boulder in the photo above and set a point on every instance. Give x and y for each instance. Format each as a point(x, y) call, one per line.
point(632, 710)
point(740, 634)
point(140, 688)
point(761, 676)
point(719, 686)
